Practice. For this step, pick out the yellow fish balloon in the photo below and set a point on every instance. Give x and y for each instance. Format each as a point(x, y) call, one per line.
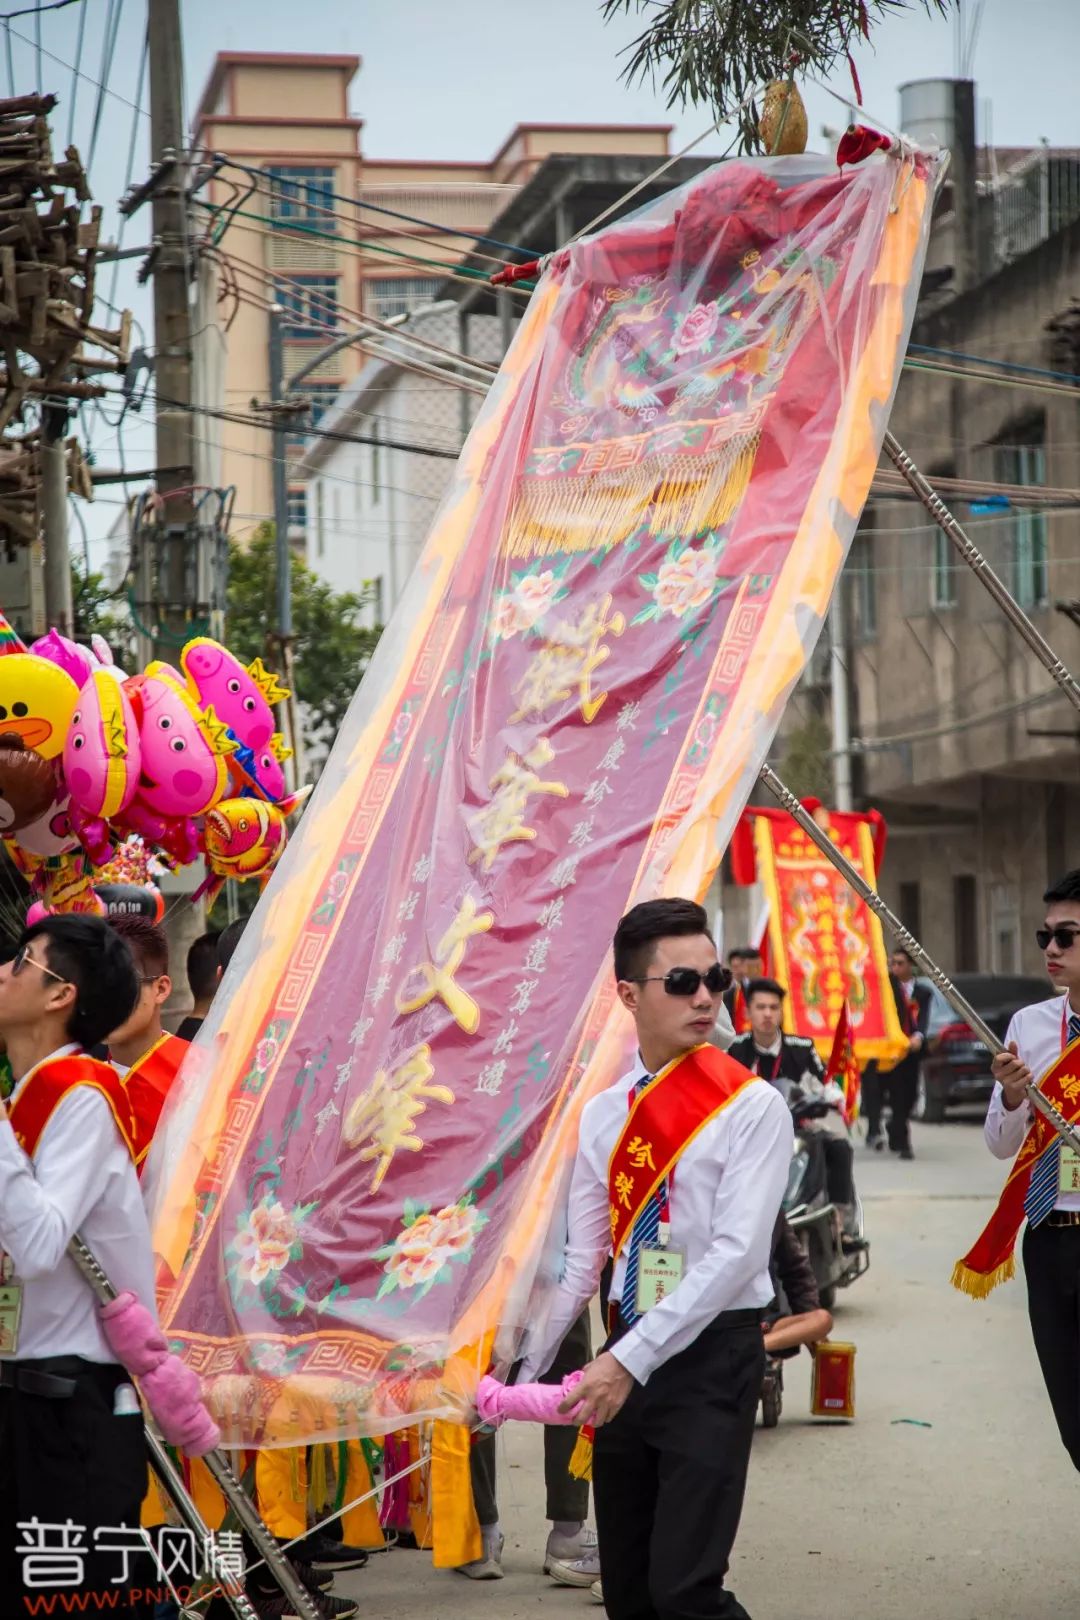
point(245, 838)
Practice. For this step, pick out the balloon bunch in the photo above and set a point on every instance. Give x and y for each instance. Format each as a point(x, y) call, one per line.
point(92, 761)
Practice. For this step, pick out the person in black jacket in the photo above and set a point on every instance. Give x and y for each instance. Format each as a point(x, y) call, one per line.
point(792, 1064)
point(797, 1315)
point(899, 1086)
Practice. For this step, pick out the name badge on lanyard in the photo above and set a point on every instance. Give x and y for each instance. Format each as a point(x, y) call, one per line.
point(1069, 1159)
point(660, 1270)
point(11, 1293)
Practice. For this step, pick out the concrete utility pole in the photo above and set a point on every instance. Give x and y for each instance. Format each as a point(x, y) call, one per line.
point(178, 542)
point(59, 611)
point(173, 570)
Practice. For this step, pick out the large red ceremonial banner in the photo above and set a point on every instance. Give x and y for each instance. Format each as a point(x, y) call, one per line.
point(825, 944)
point(355, 1178)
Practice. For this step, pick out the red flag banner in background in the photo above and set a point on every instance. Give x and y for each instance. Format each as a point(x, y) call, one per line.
point(825, 942)
point(356, 1174)
point(843, 1066)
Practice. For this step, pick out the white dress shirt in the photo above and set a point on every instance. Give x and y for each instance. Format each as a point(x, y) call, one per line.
point(724, 1199)
point(81, 1179)
point(1037, 1033)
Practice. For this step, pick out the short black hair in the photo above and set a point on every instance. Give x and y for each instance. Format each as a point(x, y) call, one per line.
point(228, 940)
point(1066, 888)
point(202, 965)
point(147, 942)
point(644, 924)
point(89, 954)
point(766, 987)
point(902, 950)
point(739, 950)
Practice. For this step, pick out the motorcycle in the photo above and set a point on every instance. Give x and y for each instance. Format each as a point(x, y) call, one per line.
point(838, 1256)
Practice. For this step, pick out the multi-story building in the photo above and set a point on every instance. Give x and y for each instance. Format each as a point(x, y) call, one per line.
point(300, 216)
point(958, 735)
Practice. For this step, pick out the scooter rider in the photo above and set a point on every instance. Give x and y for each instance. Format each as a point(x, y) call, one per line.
point(792, 1064)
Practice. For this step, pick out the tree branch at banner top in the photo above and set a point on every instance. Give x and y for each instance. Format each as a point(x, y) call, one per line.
point(332, 646)
point(713, 53)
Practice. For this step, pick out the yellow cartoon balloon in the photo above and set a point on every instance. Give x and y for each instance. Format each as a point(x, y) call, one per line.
point(37, 700)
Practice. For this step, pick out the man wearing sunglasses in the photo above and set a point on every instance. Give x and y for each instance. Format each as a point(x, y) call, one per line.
point(1035, 1039)
point(71, 1433)
point(679, 1173)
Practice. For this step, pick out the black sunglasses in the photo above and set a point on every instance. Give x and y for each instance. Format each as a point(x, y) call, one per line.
point(1063, 938)
point(683, 981)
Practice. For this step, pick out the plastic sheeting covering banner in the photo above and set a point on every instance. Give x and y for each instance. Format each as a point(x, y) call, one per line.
point(353, 1184)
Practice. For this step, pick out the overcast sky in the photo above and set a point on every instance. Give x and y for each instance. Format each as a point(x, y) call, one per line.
point(450, 78)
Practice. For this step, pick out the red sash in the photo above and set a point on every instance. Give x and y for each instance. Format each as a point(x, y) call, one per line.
point(50, 1083)
point(990, 1261)
point(147, 1084)
point(663, 1120)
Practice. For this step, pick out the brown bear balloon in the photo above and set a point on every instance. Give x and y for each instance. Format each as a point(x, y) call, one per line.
point(27, 784)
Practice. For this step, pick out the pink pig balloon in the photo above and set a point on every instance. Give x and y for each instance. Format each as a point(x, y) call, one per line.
point(102, 754)
point(183, 749)
point(240, 695)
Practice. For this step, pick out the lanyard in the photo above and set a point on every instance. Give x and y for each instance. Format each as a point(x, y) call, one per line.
point(777, 1058)
point(1065, 1023)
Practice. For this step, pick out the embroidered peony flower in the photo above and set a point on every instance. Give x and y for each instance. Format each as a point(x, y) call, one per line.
point(419, 1253)
point(265, 1053)
point(337, 885)
point(574, 425)
point(264, 1241)
point(765, 283)
point(750, 258)
point(695, 328)
point(525, 605)
point(685, 583)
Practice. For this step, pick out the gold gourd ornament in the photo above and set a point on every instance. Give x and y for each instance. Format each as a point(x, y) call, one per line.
point(782, 125)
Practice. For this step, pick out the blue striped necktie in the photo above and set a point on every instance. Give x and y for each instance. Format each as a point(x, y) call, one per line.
point(1042, 1193)
point(644, 1234)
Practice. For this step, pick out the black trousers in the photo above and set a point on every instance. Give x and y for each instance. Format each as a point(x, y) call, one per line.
point(899, 1089)
point(669, 1474)
point(68, 1457)
point(567, 1497)
point(1052, 1267)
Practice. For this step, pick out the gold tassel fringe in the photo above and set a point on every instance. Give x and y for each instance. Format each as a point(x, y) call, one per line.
point(581, 1458)
point(977, 1284)
point(605, 508)
point(319, 1478)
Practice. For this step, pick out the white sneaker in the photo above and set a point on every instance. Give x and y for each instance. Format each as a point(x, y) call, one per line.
point(568, 1548)
point(488, 1567)
point(597, 1592)
point(576, 1571)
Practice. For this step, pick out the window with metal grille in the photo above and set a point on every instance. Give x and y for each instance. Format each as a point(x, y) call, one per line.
point(297, 509)
point(1023, 461)
point(301, 196)
point(398, 295)
point(944, 561)
point(863, 587)
point(310, 305)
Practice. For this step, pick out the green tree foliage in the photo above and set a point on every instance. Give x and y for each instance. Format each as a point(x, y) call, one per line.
point(96, 614)
point(807, 765)
point(714, 53)
point(331, 645)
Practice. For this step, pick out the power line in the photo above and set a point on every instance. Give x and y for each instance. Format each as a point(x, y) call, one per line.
point(394, 213)
point(36, 11)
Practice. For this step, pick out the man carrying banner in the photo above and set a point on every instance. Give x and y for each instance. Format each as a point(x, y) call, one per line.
point(72, 1447)
point(1044, 1184)
point(679, 1174)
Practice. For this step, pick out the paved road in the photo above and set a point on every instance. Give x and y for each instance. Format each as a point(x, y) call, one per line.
point(968, 1519)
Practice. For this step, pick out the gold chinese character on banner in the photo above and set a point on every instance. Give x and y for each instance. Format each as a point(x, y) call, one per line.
point(503, 820)
point(640, 1154)
point(384, 1117)
point(569, 658)
point(624, 1186)
point(439, 975)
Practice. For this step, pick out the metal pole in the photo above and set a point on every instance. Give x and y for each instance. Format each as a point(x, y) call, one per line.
point(978, 564)
point(281, 481)
point(59, 612)
point(922, 960)
point(162, 1464)
point(220, 1467)
point(841, 706)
